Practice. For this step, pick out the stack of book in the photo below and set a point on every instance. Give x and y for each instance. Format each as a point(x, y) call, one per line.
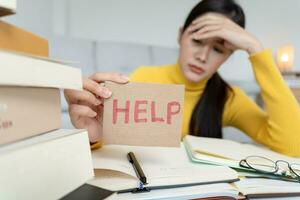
point(38, 160)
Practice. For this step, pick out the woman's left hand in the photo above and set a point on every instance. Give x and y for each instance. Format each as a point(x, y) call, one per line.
point(216, 25)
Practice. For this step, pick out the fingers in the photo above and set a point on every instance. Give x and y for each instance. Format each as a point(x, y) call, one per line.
point(115, 77)
point(203, 24)
point(94, 87)
point(210, 34)
point(207, 29)
point(210, 17)
point(76, 111)
point(93, 92)
point(214, 19)
point(74, 96)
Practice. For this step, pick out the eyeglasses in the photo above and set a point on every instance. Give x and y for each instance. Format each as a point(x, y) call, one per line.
point(267, 166)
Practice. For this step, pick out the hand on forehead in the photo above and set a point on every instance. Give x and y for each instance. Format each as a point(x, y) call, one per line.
point(209, 28)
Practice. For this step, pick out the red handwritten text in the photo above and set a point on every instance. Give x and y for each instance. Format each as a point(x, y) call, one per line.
point(140, 110)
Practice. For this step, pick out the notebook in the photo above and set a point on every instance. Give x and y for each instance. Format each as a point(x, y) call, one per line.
point(265, 188)
point(226, 152)
point(164, 167)
point(229, 153)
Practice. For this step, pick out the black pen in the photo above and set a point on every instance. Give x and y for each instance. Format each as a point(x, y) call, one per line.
point(138, 170)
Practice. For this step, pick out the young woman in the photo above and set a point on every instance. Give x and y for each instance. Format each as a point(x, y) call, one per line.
point(213, 30)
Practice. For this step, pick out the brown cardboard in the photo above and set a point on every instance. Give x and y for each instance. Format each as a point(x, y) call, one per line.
point(27, 111)
point(16, 39)
point(151, 115)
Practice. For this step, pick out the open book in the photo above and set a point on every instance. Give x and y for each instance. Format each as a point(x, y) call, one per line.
point(164, 168)
point(226, 152)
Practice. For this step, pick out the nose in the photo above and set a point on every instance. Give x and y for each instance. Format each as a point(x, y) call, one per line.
point(202, 53)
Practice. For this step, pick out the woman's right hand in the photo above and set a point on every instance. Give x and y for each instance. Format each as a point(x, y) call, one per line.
point(86, 106)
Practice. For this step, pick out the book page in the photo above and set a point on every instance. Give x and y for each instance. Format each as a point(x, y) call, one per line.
point(266, 186)
point(222, 149)
point(161, 165)
point(113, 180)
point(216, 147)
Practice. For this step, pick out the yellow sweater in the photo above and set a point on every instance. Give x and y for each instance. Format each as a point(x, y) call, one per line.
point(278, 127)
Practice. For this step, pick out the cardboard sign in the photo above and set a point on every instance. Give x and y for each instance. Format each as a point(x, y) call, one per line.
point(143, 114)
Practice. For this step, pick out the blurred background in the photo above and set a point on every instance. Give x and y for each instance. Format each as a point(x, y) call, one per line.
point(120, 35)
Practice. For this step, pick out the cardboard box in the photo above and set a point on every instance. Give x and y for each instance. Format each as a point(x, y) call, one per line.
point(27, 111)
point(16, 39)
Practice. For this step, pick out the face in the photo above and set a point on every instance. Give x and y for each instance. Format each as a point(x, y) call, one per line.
point(200, 59)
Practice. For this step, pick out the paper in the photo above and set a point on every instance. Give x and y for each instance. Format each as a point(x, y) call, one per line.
point(229, 153)
point(143, 114)
point(266, 186)
point(163, 166)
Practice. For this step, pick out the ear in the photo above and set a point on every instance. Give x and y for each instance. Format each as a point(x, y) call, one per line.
point(180, 32)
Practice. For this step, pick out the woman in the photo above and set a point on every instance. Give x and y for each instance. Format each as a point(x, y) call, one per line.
point(213, 30)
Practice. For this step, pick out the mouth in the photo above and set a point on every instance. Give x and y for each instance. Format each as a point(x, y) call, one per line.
point(196, 69)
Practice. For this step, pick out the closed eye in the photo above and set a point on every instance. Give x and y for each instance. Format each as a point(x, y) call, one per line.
point(218, 50)
point(197, 41)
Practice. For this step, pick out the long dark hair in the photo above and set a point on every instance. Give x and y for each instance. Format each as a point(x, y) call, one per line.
point(206, 120)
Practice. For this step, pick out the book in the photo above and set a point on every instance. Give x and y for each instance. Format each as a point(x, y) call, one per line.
point(7, 7)
point(217, 191)
point(27, 70)
point(27, 111)
point(164, 167)
point(17, 39)
point(48, 166)
point(266, 188)
point(228, 153)
point(30, 93)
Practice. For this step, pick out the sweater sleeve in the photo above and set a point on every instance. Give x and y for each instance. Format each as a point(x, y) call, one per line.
point(278, 127)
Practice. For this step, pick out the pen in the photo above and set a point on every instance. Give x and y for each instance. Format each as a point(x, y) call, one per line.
point(138, 170)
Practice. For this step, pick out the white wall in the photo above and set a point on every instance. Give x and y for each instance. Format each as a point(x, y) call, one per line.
point(154, 22)
point(34, 15)
point(275, 23)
